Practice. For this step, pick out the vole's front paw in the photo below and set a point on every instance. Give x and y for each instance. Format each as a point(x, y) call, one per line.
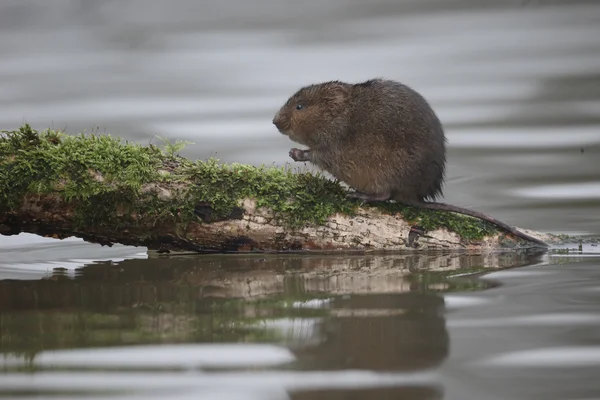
point(299, 155)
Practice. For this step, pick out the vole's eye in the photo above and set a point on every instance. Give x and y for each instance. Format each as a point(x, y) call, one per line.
point(299, 106)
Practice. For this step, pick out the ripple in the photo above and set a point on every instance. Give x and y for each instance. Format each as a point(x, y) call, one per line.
point(454, 301)
point(560, 357)
point(288, 380)
point(530, 137)
point(169, 356)
point(119, 108)
point(517, 274)
point(202, 394)
point(570, 191)
point(233, 393)
point(557, 319)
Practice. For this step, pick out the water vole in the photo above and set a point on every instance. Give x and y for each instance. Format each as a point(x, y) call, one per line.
point(380, 137)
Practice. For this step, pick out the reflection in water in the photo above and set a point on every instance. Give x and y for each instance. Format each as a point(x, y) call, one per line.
point(297, 327)
point(410, 336)
point(378, 314)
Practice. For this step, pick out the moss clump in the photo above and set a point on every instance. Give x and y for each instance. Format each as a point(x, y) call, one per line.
point(106, 181)
point(82, 166)
point(104, 177)
point(467, 227)
point(295, 198)
point(96, 173)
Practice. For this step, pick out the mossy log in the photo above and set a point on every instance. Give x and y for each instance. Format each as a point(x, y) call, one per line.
point(106, 190)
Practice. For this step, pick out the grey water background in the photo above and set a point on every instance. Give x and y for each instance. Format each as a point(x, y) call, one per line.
point(516, 84)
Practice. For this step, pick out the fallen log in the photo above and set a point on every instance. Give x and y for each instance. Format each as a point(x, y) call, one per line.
point(106, 190)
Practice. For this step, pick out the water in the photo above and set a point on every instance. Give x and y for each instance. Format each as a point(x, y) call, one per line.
point(297, 327)
point(517, 85)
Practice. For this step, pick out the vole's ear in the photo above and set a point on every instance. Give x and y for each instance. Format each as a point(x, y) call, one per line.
point(338, 93)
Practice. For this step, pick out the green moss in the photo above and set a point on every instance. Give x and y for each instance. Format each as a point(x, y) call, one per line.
point(467, 227)
point(295, 198)
point(103, 178)
point(95, 172)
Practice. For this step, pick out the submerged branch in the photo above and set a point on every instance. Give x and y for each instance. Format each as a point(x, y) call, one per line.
point(108, 191)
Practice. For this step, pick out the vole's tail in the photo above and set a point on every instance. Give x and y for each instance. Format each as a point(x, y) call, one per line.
point(480, 215)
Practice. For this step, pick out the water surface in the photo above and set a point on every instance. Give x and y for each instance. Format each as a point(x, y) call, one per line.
point(418, 327)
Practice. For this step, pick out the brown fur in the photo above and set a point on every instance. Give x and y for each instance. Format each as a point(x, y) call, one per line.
point(380, 137)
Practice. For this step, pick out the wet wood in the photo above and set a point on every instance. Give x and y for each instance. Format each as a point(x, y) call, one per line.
point(251, 229)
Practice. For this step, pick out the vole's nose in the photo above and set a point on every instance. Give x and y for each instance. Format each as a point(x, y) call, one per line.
point(277, 120)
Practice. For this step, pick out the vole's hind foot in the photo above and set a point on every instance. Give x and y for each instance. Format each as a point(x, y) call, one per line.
point(369, 198)
point(415, 232)
point(300, 155)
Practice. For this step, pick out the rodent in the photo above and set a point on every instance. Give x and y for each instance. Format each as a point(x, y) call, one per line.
point(380, 137)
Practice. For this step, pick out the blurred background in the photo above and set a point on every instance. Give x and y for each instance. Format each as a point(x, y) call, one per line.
point(516, 83)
